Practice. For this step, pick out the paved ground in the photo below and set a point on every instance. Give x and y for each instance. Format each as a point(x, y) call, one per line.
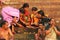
point(24, 35)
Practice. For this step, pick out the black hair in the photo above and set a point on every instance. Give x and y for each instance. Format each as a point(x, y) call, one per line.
point(25, 5)
point(2, 23)
point(21, 10)
point(34, 9)
point(41, 12)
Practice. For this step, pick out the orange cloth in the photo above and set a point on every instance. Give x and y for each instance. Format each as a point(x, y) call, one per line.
point(36, 20)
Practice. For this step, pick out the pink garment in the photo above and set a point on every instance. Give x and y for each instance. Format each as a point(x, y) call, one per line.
point(2, 0)
point(8, 12)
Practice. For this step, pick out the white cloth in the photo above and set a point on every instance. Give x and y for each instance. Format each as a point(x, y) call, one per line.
point(51, 35)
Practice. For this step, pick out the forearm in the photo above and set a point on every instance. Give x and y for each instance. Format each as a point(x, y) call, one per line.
point(57, 32)
point(22, 21)
point(19, 25)
point(48, 31)
point(10, 32)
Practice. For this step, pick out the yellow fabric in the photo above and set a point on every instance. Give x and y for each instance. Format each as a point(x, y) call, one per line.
point(32, 15)
point(36, 20)
point(51, 35)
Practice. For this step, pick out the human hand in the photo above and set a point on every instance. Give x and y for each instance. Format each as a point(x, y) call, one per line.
point(27, 24)
point(12, 38)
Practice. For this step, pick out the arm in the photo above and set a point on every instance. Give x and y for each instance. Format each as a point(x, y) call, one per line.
point(10, 32)
point(21, 16)
point(57, 32)
point(12, 28)
point(16, 23)
point(24, 22)
point(48, 31)
point(32, 17)
point(19, 24)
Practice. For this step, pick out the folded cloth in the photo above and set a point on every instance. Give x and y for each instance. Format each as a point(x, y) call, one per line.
point(8, 12)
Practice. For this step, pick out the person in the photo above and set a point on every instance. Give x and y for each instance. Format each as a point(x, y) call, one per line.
point(34, 12)
point(41, 33)
point(13, 24)
point(21, 23)
point(33, 27)
point(26, 9)
point(43, 19)
point(52, 31)
point(10, 13)
point(26, 13)
point(37, 35)
point(5, 31)
point(36, 18)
